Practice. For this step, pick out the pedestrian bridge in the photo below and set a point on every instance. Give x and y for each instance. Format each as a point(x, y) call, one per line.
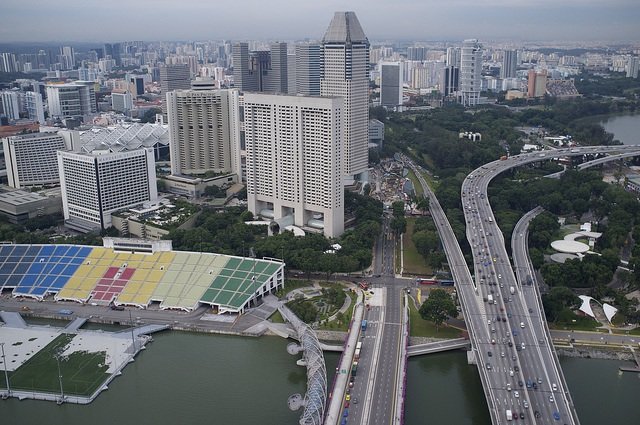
point(438, 346)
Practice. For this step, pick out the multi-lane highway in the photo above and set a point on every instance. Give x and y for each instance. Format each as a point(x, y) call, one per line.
point(518, 368)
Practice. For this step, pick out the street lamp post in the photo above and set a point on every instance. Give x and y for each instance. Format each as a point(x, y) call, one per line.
point(6, 374)
point(57, 356)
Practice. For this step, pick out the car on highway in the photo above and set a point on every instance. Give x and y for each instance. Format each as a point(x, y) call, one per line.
point(521, 415)
point(520, 383)
point(556, 416)
point(539, 380)
point(554, 387)
point(348, 397)
point(489, 353)
point(525, 404)
point(551, 398)
point(488, 366)
point(516, 394)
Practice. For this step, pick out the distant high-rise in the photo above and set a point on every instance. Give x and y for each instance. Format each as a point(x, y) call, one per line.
point(453, 56)
point(416, 53)
point(8, 62)
point(294, 144)
point(345, 73)
point(72, 100)
point(633, 67)
point(34, 105)
point(390, 85)
point(205, 131)
point(261, 70)
point(243, 78)
point(308, 64)
point(536, 83)
point(277, 78)
point(10, 103)
point(449, 81)
point(173, 77)
point(470, 71)
point(509, 64)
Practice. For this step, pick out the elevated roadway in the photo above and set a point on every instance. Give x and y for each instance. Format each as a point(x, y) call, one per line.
point(517, 350)
point(437, 347)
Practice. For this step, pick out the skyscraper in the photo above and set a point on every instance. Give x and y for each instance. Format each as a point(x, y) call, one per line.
point(449, 81)
point(390, 85)
point(294, 147)
point(173, 77)
point(10, 103)
point(204, 128)
point(470, 68)
point(509, 64)
point(277, 75)
point(308, 64)
point(345, 73)
point(243, 78)
point(34, 106)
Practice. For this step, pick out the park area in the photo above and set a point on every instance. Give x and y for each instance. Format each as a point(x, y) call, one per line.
point(41, 359)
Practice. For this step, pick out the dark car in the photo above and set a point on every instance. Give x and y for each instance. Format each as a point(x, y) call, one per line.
point(521, 415)
point(489, 353)
point(516, 368)
point(520, 383)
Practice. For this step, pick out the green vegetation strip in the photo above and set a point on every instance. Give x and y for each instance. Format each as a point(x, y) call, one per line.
point(82, 372)
point(414, 263)
point(420, 327)
point(417, 187)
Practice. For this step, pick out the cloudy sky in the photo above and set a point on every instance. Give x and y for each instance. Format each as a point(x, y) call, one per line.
point(119, 20)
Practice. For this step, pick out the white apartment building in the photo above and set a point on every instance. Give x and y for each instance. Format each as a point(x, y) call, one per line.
point(72, 100)
point(345, 73)
point(34, 105)
point(204, 128)
point(470, 72)
point(96, 184)
point(10, 100)
point(293, 156)
point(31, 158)
point(121, 102)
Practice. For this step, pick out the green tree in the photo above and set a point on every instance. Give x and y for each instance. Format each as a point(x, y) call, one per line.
point(438, 307)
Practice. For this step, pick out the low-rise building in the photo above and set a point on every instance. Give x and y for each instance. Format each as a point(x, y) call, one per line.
point(19, 205)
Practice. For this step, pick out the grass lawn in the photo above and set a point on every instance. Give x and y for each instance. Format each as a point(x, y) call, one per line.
point(414, 263)
point(580, 325)
point(417, 187)
point(82, 372)
point(276, 317)
point(420, 327)
point(635, 331)
point(291, 284)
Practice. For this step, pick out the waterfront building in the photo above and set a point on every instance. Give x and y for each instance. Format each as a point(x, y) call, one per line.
point(294, 147)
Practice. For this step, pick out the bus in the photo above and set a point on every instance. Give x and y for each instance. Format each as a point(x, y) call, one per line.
point(354, 368)
point(364, 325)
point(446, 282)
point(420, 281)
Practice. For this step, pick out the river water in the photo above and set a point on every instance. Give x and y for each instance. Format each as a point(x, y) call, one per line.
point(625, 128)
point(188, 378)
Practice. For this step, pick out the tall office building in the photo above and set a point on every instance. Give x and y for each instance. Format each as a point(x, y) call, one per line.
point(415, 53)
point(72, 100)
point(10, 103)
point(31, 158)
point(94, 185)
point(291, 71)
point(345, 73)
point(8, 62)
point(390, 85)
point(294, 146)
point(69, 57)
point(243, 78)
point(449, 81)
point(277, 75)
point(308, 66)
point(470, 70)
point(205, 131)
point(453, 56)
point(34, 105)
point(509, 64)
point(536, 83)
point(173, 77)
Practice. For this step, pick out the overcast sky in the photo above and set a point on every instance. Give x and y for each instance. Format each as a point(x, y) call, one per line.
point(121, 20)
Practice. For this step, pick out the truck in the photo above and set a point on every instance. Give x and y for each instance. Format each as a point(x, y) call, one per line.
point(503, 158)
point(490, 298)
point(509, 415)
point(512, 290)
point(364, 325)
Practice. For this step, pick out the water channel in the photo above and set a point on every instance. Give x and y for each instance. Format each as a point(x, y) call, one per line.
point(187, 378)
point(625, 128)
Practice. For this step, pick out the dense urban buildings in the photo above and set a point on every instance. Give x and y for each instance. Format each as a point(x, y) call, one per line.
point(294, 148)
point(205, 131)
point(345, 50)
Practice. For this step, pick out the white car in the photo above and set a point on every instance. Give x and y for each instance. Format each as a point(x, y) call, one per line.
point(516, 394)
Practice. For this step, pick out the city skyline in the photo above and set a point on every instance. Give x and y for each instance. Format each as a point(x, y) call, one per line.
point(31, 21)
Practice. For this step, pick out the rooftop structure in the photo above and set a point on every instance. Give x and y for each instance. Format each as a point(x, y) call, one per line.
point(126, 137)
